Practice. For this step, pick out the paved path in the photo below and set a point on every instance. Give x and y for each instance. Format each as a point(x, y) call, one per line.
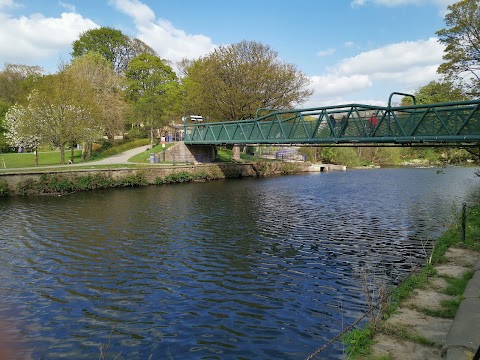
point(443, 338)
point(121, 158)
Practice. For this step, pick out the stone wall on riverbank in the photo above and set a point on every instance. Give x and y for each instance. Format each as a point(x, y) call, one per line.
point(153, 172)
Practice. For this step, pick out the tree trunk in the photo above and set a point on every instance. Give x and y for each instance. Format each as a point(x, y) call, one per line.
point(151, 137)
point(36, 156)
point(62, 154)
point(72, 153)
point(83, 151)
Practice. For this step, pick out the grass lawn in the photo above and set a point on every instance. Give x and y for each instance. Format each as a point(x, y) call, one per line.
point(15, 160)
point(144, 157)
point(48, 158)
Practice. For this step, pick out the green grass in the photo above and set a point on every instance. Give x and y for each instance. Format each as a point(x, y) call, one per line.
point(49, 158)
point(456, 287)
point(22, 160)
point(448, 310)
point(144, 157)
point(226, 155)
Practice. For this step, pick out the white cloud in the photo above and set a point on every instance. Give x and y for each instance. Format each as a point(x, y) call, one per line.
point(31, 39)
point(326, 52)
point(69, 7)
point(394, 57)
point(395, 67)
point(7, 4)
point(169, 42)
point(140, 12)
point(339, 84)
point(349, 44)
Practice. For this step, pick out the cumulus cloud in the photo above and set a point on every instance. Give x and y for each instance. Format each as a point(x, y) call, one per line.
point(394, 57)
point(7, 4)
point(405, 65)
point(31, 39)
point(168, 41)
point(140, 13)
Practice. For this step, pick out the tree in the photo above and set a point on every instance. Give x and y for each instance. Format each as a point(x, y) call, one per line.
point(61, 110)
point(21, 129)
point(234, 81)
point(112, 44)
point(16, 81)
point(108, 87)
point(436, 92)
point(154, 90)
point(462, 40)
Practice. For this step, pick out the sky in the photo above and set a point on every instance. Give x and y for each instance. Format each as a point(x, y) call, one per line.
point(353, 51)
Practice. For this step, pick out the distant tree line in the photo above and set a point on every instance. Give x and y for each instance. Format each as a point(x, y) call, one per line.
point(115, 84)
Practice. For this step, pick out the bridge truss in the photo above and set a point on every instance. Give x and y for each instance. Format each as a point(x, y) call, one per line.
point(456, 123)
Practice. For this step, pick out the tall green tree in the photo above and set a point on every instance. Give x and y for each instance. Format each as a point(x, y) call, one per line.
point(462, 41)
point(154, 91)
point(234, 81)
point(16, 81)
point(436, 92)
point(60, 111)
point(112, 44)
point(96, 72)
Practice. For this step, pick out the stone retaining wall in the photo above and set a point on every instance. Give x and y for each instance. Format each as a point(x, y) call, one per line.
point(150, 173)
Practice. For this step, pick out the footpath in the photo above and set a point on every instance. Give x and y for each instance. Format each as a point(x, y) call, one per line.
point(419, 328)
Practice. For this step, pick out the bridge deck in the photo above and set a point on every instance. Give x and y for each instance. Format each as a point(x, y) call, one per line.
point(456, 122)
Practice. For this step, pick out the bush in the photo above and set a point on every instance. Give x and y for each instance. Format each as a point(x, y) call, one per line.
point(94, 181)
point(4, 189)
point(137, 179)
point(61, 184)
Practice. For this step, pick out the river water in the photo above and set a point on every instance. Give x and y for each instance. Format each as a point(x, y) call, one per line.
point(255, 268)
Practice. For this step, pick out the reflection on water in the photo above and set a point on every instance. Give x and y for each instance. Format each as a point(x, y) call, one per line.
point(254, 268)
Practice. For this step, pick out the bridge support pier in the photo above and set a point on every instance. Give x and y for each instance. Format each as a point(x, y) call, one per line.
point(181, 153)
point(236, 152)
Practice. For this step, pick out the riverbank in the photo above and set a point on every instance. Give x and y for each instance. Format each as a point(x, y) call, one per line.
point(61, 180)
point(435, 314)
point(422, 326)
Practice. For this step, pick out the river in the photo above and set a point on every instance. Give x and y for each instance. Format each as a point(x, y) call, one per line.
point(253, 268)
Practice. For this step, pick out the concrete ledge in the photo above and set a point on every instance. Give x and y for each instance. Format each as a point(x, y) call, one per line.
point(458, 354)
point(473, 287)
point(464, 335)
point(477, 266)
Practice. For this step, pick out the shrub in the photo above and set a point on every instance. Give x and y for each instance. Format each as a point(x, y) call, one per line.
point(137, 179)
point(4, 189)
point(27, 187)
point(94, 181)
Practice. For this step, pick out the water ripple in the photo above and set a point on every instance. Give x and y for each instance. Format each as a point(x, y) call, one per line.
point(254, 268)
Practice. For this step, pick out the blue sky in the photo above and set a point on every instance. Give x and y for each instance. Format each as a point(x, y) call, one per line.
point(354, 51)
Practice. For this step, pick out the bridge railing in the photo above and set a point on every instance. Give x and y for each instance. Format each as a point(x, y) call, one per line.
point(350, 123)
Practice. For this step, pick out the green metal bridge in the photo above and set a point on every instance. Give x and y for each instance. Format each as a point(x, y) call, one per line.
point(454, 123)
